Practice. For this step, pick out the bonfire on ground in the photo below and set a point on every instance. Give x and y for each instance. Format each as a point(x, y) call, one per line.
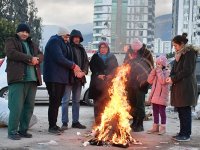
point(114, 128)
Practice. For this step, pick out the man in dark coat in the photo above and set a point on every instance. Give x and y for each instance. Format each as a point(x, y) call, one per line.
point(58, 65)
point(81, 59)
point(141, 62)
point(23, 75)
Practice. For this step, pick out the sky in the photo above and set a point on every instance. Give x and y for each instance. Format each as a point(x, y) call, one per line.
point(72, 12)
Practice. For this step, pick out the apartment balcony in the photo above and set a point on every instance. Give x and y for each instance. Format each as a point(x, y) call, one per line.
point(101, 19)
point(98, 27)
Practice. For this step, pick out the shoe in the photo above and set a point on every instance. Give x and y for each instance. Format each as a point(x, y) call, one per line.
point(15, 136)
point(78, 125)
point(177, 134)
point(64, 127)
point(154, 129)
point(25, 134)
point(55, 130)
point(182, 138)
point(162, 129)
point(134, 123)
point(139, 126)
point(138, 129)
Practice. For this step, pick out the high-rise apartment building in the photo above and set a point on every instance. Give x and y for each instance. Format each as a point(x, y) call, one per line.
point(186, 18)
point(120, 21)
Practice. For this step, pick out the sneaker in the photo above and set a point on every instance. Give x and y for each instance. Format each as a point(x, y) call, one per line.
point(173, 137)
point(182, 138)
point(55, 130)
point(64, 127)
point(15, 136)
point(78, 125)
point(25, 134)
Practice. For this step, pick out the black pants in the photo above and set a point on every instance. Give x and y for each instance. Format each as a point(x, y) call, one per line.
point(137, 102)
point(99, 106)
point(185, 118)
point(56, 92)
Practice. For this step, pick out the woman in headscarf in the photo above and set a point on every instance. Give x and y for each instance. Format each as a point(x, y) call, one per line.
point(102, 65)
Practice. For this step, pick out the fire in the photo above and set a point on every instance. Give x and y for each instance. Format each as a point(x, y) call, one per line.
point(114, 127)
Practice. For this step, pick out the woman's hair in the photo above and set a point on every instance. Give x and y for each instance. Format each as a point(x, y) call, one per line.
point(180, 39)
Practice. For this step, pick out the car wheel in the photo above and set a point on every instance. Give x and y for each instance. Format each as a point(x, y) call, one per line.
point(89, 102)
point(4, 93)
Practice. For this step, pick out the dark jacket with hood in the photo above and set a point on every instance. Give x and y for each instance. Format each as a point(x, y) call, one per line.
point(17, 59)
point(58, 61)
point(80, 57)
point(99, 67)
point(184, 87)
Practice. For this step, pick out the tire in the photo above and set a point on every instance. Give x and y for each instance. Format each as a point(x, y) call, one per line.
point(4, 93)
point(88, 101)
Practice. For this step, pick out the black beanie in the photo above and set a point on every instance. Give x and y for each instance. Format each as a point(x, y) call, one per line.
point(23, 27)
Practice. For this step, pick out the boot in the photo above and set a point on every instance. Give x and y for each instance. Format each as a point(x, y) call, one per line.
point(154, 129)
point(139, 126)
point(162, 129)
point(134, 123)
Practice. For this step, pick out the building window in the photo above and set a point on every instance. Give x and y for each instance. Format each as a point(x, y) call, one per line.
point(140, 33)
point(98, 1)
point(98, 8)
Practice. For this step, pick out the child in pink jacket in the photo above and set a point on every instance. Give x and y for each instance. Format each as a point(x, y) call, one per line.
point(159, 95)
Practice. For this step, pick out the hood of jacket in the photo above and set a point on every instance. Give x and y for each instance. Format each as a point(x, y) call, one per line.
point(76, 33)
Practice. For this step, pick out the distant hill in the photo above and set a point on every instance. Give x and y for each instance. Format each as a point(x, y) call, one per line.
point(164, 27)
point(49, 30)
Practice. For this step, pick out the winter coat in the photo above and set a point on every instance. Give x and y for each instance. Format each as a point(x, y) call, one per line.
point(184, 87)
point(139, 72)
point(17, 59)
point(58, 61)
point(98, 67)
point(146, 54)
point(140, 69)
point(83, 57)
point(160, 89)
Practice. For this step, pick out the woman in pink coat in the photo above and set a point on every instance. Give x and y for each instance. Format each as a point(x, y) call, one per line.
point(159, 95)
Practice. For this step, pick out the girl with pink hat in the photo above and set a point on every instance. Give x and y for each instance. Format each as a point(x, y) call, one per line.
point(159, 95)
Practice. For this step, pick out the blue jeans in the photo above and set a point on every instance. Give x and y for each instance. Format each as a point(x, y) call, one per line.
point(76, 93)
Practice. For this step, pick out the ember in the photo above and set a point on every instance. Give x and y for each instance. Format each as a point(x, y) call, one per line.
point(114, 128)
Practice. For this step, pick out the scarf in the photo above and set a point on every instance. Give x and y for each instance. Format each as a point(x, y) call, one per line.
point(178, 54)
point(104, 57)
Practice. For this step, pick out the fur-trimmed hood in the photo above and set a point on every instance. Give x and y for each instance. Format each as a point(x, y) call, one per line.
point(191, 48)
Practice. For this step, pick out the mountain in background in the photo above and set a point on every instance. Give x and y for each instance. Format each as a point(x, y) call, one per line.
point(163, 27)
point(163, 30)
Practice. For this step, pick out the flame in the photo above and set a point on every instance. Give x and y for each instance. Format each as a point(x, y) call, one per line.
point(114, 127)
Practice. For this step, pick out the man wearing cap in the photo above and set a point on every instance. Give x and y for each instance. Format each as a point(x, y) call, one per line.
point(58, 69)
point(141, 62)
point(81, 59)
point(23, 76)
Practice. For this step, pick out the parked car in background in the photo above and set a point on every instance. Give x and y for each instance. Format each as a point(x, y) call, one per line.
point(41, 93)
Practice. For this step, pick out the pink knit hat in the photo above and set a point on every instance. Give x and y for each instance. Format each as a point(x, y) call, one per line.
point(137, 44)
point(162, 60)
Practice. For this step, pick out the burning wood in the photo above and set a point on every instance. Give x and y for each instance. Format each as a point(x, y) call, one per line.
point(114, 128)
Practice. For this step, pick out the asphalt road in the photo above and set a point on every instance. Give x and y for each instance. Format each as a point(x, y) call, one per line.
point(69, 140)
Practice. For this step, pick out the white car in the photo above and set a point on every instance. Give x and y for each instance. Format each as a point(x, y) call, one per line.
point(41, 94)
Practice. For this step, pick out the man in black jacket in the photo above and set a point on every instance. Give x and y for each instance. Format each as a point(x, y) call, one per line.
point(81, 59)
